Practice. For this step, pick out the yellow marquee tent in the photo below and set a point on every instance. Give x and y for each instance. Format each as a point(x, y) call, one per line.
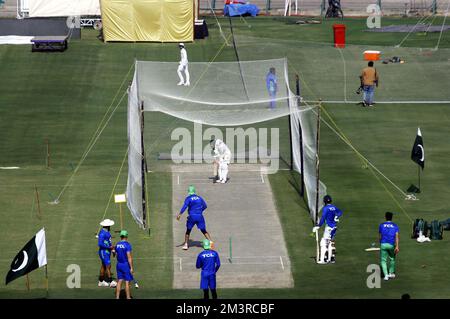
point(148, 20)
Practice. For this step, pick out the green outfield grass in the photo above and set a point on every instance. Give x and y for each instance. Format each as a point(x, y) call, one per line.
point(63, 97)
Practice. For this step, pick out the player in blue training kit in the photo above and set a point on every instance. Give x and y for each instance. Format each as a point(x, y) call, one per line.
point(124, 266)
point(272, 86)
point(209, 261)
point(389, 242)
point(195, 205)
point(330, 216)
point(104, 251)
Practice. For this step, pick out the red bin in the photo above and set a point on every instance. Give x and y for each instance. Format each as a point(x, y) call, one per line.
point(339, 35)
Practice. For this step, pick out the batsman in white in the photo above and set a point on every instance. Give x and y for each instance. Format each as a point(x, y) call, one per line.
point(183, 66)
point(330, 216)
point(222, 158)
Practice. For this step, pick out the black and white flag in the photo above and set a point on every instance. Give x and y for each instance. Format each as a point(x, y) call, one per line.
point(418, 152)
point(33, 255)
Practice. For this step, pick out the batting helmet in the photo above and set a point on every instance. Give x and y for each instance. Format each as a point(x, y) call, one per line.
point(327, 199)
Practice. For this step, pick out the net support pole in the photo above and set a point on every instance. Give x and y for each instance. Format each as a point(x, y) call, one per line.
point(317, 162)
point(143, 170)
point(237, 57)
point(317, 179)
point(302, 180)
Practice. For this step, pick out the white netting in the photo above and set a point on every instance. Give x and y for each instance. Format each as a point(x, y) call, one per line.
point(220, 94)
point(305, 116)
point(135, 182)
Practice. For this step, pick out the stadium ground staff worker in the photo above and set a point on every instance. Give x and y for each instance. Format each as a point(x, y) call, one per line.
point(124, 265)
point(195, 205)
point(105, 249)
point(272, 86)
point(183, 66)
point(209, 261)
point(330, 215)
point(389, 241)
point(369, 79)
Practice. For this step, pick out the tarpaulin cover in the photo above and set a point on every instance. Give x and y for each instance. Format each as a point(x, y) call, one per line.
point(63, 8)
point(240, 9)
point(148, 20)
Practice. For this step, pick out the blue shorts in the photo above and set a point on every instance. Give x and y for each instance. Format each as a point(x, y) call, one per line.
point(198, 220)
point(105, 257)
point(123, 272)
point(208, 281)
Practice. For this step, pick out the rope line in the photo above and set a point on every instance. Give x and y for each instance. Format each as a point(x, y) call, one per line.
point(88, 150)
point(114, 188)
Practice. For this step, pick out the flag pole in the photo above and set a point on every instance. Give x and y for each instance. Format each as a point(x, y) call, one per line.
point(46, 281)
point(28, 283)
point(418, 172)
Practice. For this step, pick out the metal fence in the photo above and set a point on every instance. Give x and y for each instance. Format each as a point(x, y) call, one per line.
point(350, 7)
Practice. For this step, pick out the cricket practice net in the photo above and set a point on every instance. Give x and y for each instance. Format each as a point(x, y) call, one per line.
point(220, 94)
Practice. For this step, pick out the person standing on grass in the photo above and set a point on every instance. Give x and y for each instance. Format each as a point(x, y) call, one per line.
point(389, 241)
point(105, 249)
point(272, 86)
point(369, 79)
point(195, 205)
point(124, 266)
point(209, 261)
point(330, 217)
point(183, 66)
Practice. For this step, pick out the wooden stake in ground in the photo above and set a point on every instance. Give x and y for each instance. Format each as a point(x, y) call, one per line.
point(48, 153)
point(120, 198)
point(38, 201)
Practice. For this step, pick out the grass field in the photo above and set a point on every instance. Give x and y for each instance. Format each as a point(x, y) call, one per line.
point(67, 97)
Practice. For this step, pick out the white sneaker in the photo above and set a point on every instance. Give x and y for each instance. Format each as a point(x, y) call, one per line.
point(136, 285)
point(185, 246)
point(391, 276)
point(223, 181)
point(103, 284)
point(187, 84)
point(180, 83)
point(113, 284)
point(321, 262)
point(386, 277)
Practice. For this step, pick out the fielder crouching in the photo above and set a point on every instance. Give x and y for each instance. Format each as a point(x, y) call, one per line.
point(330, 216)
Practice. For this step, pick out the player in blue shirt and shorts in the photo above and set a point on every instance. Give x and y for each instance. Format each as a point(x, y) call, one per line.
point(195, 205)
point(330, 216)
point(389, 242)
point(104, 252)
point(209, 261)
point(124, 265)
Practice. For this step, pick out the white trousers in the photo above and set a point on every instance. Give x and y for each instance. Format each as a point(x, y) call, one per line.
point(325, 244)
point(184, 68)
point(223, 171)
